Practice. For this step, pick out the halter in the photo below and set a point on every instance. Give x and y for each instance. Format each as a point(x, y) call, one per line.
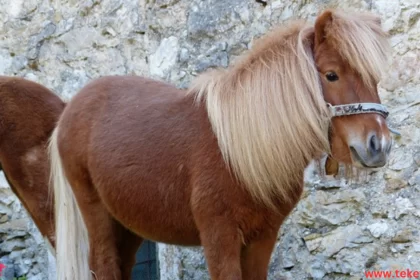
point(357, 108)
point(360, 108)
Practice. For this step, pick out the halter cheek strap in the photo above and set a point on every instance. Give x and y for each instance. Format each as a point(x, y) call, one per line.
point(360, 108)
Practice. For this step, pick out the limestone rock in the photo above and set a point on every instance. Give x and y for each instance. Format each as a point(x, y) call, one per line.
point(377, 229)
point(332, 242)
point(400, 160)
point(404, 236)
point(165, 57)
point(394, 184)
point(12, 245)
point(207, 19)
point(324, 208)
point(417, 158)
point(403, 206)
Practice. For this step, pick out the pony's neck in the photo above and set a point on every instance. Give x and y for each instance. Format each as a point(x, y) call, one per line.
point(268, 112)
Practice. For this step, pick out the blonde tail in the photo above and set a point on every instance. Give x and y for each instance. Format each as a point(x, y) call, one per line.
point(72, 244)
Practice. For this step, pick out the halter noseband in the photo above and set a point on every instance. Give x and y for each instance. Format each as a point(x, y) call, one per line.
point(357, 108)
point(360, 108)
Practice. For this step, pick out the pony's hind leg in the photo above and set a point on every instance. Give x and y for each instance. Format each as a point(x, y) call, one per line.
point(256, 258)
point(103, 230)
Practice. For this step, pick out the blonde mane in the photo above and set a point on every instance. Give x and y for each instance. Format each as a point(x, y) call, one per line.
point(268, 111)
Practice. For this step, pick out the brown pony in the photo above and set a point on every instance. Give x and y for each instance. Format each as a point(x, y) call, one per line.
point(29, 113)
point(221, 165)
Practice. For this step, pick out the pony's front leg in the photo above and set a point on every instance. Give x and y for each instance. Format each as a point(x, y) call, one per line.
point(256, 257)
point(222, 249)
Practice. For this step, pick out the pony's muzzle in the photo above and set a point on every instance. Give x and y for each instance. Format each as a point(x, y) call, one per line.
point(373, 153)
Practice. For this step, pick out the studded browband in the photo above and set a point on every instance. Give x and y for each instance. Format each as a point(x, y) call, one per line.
point(360, 108)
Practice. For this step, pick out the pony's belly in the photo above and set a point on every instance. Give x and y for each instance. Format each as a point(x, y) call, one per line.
point(167, 226)
point(183, 237)
point(163, 226)
point(166, 219)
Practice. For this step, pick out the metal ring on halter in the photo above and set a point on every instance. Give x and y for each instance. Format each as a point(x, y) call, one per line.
point(360, 108)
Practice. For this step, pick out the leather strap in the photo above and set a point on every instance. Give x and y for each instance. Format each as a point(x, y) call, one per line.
point(360, 108)
point(357, 108)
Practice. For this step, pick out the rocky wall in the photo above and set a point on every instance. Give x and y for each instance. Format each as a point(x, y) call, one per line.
point(339, 229)
point(22, 248)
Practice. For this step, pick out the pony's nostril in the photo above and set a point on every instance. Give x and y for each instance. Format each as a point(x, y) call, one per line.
point(374, 144)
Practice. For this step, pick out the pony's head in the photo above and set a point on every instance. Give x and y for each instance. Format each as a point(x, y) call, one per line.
point(350, 53)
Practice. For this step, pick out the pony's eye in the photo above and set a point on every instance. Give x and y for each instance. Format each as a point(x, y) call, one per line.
point(331, 76)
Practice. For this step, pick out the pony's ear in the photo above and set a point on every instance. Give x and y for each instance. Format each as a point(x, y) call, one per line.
point(321, 25)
